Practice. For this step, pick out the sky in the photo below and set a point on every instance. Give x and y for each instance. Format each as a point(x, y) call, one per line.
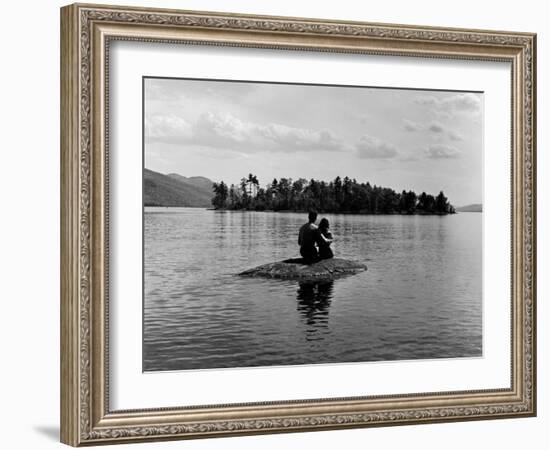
point(408, 139)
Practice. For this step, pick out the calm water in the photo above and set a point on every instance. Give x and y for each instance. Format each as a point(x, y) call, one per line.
point(420, 298)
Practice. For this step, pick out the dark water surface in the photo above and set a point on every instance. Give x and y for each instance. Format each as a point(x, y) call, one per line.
point(420, 298)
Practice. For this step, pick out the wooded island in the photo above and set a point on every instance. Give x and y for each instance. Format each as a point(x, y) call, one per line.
point(342, 195)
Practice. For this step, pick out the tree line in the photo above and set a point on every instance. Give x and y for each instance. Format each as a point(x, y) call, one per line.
point(342, 195)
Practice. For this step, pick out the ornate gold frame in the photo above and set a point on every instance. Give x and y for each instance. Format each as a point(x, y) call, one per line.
point(86, 31)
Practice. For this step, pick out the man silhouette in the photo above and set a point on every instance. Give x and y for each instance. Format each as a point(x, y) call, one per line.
point(307, 237)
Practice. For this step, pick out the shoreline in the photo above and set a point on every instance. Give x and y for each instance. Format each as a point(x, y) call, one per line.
point(286, 211)
point(347, 213)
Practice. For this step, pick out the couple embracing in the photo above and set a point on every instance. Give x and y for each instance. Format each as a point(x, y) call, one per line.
point(314, 241)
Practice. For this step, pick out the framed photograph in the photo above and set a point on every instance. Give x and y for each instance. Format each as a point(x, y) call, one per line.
point(275, 224)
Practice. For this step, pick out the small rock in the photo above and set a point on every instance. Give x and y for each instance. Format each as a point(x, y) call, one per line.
point(295, 269)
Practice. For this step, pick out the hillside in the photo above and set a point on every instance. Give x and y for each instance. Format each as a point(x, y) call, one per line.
point(200, 182)
point(476, 207)
point(176, 190)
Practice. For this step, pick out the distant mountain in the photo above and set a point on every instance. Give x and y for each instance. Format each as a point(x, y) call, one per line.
point(176, 190)
point(475, 207)
point(200, 182)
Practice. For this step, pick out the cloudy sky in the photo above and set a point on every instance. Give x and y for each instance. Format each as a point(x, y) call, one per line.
point(403, 139)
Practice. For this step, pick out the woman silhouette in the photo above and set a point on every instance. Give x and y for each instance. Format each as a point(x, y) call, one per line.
point(325, 252)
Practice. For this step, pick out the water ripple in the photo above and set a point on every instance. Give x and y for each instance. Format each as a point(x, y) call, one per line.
point(420, 298)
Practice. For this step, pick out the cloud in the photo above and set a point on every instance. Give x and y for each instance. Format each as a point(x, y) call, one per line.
point(439, 151)
point(411, 126)
point(227, 132)
point(452, 103)
point(370, 147)
point(464, 102)
point(167, 129)
point(436, 127)
point(454, 136)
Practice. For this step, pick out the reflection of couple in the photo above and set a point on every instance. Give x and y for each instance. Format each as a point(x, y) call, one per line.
point(313, 304)
point(314, 241)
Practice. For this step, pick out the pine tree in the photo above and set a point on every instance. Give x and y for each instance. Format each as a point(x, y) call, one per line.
point(339, 195)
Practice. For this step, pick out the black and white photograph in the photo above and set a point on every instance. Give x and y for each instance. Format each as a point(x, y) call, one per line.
point(289, 224)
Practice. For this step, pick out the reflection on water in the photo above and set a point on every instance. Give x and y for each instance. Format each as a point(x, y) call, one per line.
point(313, 305)
point(420, 298)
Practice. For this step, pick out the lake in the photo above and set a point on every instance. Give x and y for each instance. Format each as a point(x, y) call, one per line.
point(421, 297)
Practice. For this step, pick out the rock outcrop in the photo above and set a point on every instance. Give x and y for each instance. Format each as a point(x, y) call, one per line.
point(295, 269)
